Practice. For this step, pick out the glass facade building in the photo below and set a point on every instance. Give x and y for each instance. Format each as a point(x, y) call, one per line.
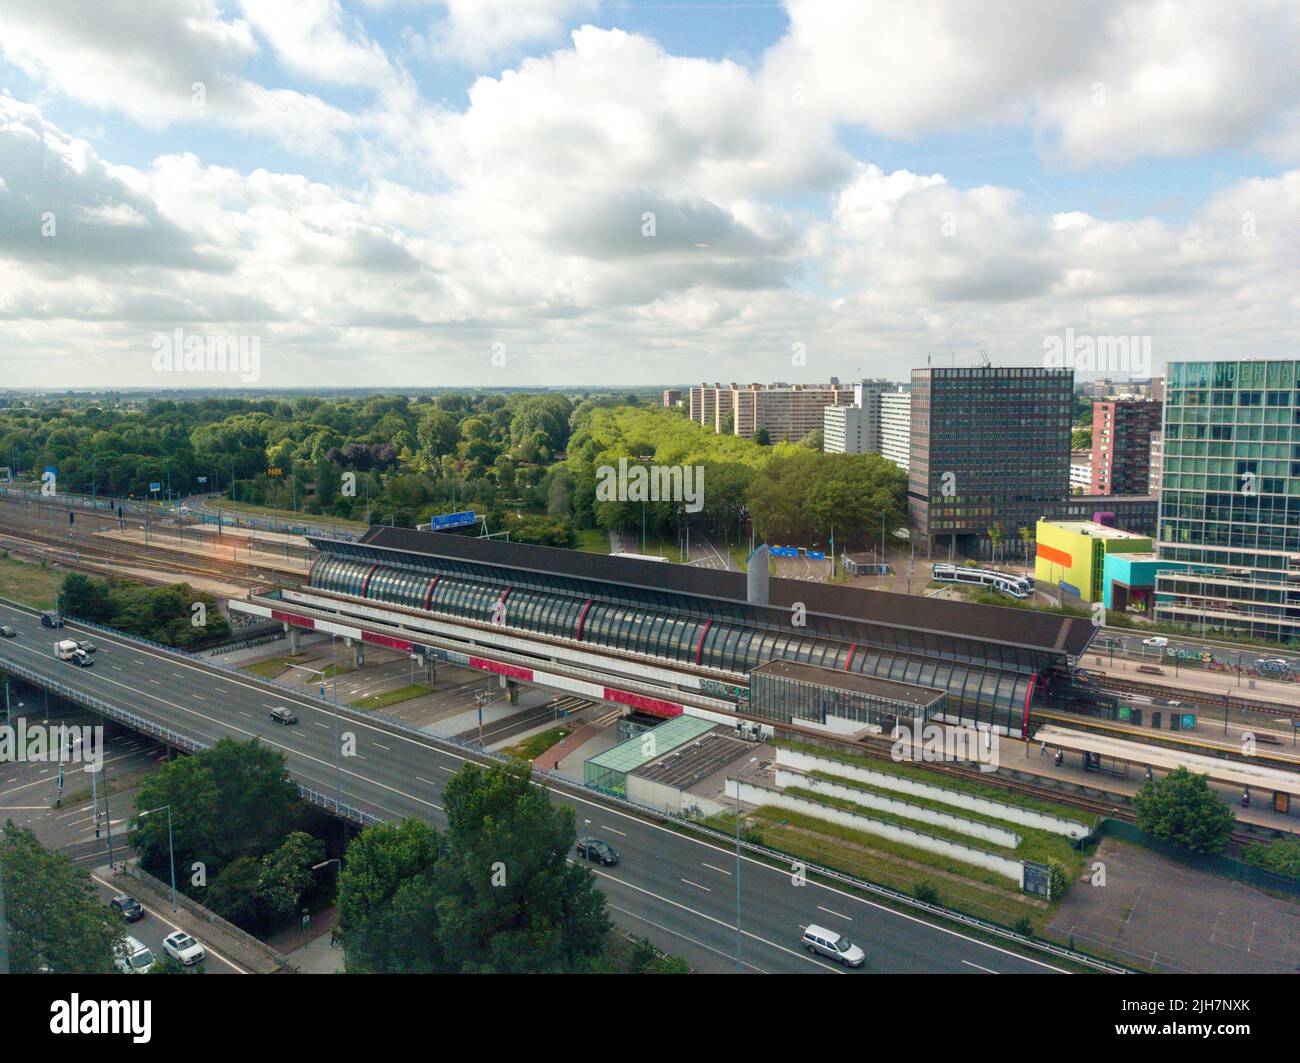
point(1230, 498)
point(790, 693)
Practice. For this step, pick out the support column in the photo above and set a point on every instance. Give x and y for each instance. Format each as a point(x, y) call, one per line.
point(295, 638)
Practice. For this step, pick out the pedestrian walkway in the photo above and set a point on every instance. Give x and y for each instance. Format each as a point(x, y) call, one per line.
point(310, 949)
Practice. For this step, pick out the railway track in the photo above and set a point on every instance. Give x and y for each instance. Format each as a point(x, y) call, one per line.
point(1222, 701)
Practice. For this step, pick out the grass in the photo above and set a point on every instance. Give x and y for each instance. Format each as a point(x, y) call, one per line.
point(272, 668)
point(593, 541)
point(30, 583)
point(534, 747)
point(287, 516)
point(391, 697)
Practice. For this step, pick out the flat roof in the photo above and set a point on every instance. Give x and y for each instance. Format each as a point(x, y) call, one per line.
point(908, 693)
point(687, 765)
point(1031, 629)
point(1091, 527)
point(636, 751)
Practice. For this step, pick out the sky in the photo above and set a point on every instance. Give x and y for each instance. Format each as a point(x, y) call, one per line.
point(433, 193)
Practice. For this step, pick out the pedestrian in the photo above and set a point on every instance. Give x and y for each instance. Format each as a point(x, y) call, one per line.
point(306, 919)
point(334, 936)
point(1042, 750)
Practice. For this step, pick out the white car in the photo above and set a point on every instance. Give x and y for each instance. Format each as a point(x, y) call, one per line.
point(182, 947)
point(1156, 642)
point(132, 956)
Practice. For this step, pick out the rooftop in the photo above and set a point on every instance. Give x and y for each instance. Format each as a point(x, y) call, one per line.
point(906, 693)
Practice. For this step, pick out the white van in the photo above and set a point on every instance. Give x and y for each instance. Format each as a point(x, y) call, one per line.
point(132, 956)
point(66, 649)
point(1156, 642)
point(820, 941)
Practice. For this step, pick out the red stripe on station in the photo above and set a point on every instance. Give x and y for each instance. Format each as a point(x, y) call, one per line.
point(699, 649)
point(654, 706)
point(1029, 694)
point(583, 616)
point(512, 670)
point(293, 618)
point(386, 640)
point(311, 571)
point(852, 650)
point(428, 595)
point(365, 587)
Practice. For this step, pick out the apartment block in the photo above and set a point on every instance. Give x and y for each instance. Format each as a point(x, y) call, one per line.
point(788, 411)
point(1121, 445)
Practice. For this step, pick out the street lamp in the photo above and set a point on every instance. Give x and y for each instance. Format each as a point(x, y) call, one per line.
point(752, 761)
point(171, 851)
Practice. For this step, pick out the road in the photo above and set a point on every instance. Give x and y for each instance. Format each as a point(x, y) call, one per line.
point(678, 890)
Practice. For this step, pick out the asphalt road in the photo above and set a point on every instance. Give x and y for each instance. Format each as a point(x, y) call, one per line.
point(679, 891)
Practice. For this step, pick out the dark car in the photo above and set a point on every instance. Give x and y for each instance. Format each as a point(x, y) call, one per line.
point(51, 620)
point(86, 647)
point(283, 715)
point(7, 632)
point(82, 659)
point(131, 909)
point(595, 849)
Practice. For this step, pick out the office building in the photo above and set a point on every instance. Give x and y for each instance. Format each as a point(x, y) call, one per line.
point(1230, 498)
point(1121, 445)
point(990, 446)
point(1071, 555)
point(1153, 466)
point(1080, 472)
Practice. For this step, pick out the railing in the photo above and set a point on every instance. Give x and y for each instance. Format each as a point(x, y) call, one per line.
point(559, 782)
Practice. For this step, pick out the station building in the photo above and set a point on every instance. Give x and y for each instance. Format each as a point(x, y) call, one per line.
point(667, 639)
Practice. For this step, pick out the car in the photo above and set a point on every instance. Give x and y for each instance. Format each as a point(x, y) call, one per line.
point(7, 632)
point(1273, 664)
point(1157, 642)
point(1150, 669)
point(86, 647)
point(600, 851)
point(130, 909)
point(834, 946)
point(132, 956)
point(51, 620)
point(283, 715)
point(183, 948)
point(82, 659)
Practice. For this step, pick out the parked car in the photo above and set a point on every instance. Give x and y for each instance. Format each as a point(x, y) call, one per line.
point(129, 907)
point(283, 715)
point(822, 942)
point(1156, 642)
point(600, 851)
point(7, 632)
point(181, 947)
point(51, 620)
point(132, 956)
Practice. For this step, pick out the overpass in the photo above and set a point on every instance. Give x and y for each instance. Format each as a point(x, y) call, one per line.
point(680, 890)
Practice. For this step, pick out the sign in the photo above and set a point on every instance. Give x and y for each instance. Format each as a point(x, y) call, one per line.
point(274, 472)
point(203, 479)
point(450, 520)
point(1037, 880)
point(155, 487)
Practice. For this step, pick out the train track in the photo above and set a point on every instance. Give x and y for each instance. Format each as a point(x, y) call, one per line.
point(1222, 701)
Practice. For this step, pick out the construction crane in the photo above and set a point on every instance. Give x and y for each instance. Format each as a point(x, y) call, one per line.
point(984, 355)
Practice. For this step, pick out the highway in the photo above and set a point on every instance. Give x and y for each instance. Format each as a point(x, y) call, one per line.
point(679, 891)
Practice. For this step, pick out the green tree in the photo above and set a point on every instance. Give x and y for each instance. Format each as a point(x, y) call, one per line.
point(56, 921)
point(286, 873)
point(1182, 808)
point(85, 598)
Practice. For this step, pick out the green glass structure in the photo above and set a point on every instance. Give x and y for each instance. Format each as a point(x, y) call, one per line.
point(1230, 498)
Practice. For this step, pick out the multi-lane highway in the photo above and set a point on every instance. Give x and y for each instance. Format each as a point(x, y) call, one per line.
point(679, 891)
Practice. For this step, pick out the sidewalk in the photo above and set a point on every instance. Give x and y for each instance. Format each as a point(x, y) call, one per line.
point(550, 760)
point(310, 950)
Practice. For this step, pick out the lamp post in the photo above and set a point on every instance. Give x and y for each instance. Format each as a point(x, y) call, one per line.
point(171, 851)
point(752, 761)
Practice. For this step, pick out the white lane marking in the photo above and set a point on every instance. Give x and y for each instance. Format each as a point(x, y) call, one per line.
point(606, 826)
point(685, 937)
point(429, 782)
point(837, 915)
point(718, 870)
point(379, 745)
point(697, 885)
point(978, 967)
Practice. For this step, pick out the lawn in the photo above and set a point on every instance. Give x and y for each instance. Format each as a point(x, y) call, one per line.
point(30, 583)
point(593, 541)
point(534, 747)
point(272, 668)
point(391, 697)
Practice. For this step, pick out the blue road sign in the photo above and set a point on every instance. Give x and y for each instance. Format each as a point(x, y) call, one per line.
point(452, 520)
point(155, 487)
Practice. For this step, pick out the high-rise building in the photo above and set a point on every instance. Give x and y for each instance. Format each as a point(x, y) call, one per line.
point(1121, 445)
point(896, 427)
point(849, 430)
point(990, 447)
point(787, 411)
point(1153, 466)
point(1080, 471)
point(672, 397)
point(1230, 497)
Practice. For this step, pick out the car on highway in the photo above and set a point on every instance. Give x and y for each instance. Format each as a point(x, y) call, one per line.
point(283, 715)
point(1156, 642)
point(181, 947)
point(600, 851)
point(85, 647)
point(129, 908)
point(822, 942)
point(82, 659)
point(51, 620)
point(132, 956)
point(1273, 664)
point(7, 632)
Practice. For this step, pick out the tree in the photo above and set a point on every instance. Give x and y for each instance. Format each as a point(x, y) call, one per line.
point(1182, 808)
point(85, 598)
point(762, 437)
point(56, 921)
point(509, 900)
point(437, 433)
point(286, 873)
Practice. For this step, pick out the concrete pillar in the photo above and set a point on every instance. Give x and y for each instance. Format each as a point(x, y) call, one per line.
point(295, 637)
point(511, 688)
point(358, 654)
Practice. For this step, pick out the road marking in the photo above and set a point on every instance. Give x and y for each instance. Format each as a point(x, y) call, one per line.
point(836, 914)
point(719, 870)
point(198, 697)
point(685, 937)
point(978, 967)
point(697, 885)
point(379, 745)
point(243, 713)
point(606, 826)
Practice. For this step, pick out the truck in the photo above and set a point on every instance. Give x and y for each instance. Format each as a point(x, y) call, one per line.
point(65, 649)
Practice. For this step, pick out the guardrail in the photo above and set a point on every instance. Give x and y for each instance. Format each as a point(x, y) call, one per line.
point(559, 782)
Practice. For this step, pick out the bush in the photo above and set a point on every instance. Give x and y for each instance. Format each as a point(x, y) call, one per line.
point(926, 891)
point(1281, 857)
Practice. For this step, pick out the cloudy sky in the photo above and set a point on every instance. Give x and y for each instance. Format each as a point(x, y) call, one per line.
point(433, 192)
